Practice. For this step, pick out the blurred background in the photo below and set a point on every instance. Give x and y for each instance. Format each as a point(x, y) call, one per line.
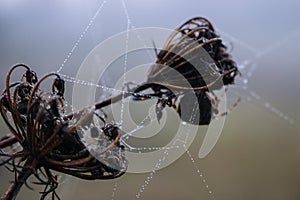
point(258, 153)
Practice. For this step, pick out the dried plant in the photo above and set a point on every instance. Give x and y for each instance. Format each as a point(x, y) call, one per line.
point(193, 63)
point(49, 140)
point(44, 138)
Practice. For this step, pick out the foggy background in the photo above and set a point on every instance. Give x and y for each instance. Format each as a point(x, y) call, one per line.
point(258, 154)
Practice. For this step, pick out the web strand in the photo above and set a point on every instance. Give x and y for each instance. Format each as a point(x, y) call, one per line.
point(125, 61)
point(91, 22)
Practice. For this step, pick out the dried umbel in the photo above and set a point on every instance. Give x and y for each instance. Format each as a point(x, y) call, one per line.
point(50, 140)
point(192, 64)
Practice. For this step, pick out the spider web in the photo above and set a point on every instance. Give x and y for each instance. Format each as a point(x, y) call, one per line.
point(248, 68)
point(240, 89)
point(181, 144)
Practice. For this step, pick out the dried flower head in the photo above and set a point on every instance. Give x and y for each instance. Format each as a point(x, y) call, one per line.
point(48, 140)
point(193, 62)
